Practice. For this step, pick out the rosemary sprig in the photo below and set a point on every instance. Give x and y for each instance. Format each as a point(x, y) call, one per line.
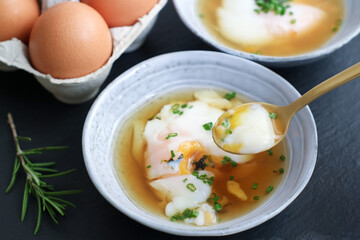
point(45, 195)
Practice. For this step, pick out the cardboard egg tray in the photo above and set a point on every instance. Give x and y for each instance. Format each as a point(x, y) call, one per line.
point(14, 55)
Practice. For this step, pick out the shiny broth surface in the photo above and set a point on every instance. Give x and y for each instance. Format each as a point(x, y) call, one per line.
point(266, 169)
point(290, 45)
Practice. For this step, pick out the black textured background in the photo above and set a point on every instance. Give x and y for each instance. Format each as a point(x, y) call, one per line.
point(328, 208)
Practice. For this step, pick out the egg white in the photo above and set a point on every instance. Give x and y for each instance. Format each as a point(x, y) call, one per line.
point(239, 23)
point(189, 127)
point(256, 132)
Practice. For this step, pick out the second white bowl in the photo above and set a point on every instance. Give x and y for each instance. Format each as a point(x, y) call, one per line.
point(188, 12)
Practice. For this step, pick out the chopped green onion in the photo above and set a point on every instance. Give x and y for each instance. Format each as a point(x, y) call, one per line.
point(215, 198)
point(281, 170)
point(270, 152)
point(175, 218)
point(218, 219)
point(191, 106)
point(228, 131)
point(256, 198)
point(293, 21)
point(337, 25)
point(225, 123)
point(175, 106)
point(171, 135)
point(172, 153)
point(272, 115)
point(191, 187)
point(231, 178)
point(176, 111)
point(201, 15)
point(229, 160)
point(184, 105)
point(217, 207)
point(148, 166)
point(208, 126)
point(211, 162)
point(269, 189)
point(291, 13)
point(204, 178)
point(230, 96)
point(282, 158)
point(185, 180)
point(188, 213)
point(255, 185)
point(257, 11)
point(277, 6)
point(233, 164)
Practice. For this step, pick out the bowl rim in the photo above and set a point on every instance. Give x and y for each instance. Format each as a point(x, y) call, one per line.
point(138, 68)
point(318, 53)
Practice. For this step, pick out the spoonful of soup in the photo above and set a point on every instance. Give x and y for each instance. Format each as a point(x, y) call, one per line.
point(256, 127)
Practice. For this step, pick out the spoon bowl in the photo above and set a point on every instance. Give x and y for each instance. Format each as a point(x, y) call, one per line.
point(280, 123)
point(258, 133)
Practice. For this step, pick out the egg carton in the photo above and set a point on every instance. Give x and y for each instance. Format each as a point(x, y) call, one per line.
point(14, 55)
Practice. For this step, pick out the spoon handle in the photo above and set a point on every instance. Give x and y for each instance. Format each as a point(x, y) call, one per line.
point(336, 81)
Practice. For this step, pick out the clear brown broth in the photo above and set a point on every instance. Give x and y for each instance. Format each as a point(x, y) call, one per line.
point(292, 45)
point(263, 169)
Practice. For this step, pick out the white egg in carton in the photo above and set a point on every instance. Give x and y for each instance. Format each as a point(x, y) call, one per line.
point(14, 55)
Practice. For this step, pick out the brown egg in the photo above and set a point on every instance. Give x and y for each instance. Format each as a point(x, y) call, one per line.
point(17, 17)
point(70, 40)
point(121, 12)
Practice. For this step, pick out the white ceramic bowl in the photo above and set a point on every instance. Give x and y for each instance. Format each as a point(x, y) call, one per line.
point(183, 70)
point(188, 12)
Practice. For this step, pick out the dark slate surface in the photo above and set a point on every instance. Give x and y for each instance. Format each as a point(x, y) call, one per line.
point(328, 208)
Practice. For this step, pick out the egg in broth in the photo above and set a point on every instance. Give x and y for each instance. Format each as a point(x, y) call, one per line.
point(296, 27)
point(168, 164)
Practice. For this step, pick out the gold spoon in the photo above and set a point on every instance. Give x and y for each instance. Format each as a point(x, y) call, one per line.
point(282, 115)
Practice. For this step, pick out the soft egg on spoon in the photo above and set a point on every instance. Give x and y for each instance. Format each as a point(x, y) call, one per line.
point(256, 127)
point(247, 129)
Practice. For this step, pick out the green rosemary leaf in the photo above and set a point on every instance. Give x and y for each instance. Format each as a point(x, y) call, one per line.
point(57, 174)
point(47, 164)
point(51, 187)
point(39, 215)
point(17, 164)
point(41, 169)
point(25, 200)
point(62, 201)
point(42, 183)
point(38, 189)
point(25, 139)
point(35, 185)
point(32, 174)
point(51, 213)
point(28, 162)
point(55, 206)
point(62, 193)
point(44, 149)
point(13, 178)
